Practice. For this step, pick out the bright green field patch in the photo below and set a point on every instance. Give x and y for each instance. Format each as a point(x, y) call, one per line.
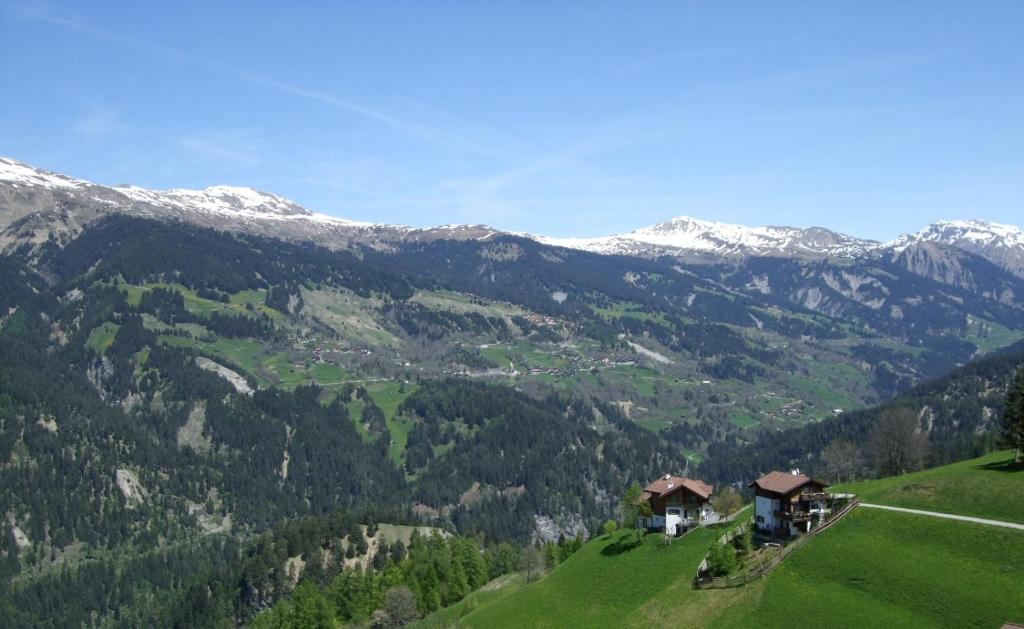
point(880, 569)
point(245, 354)
point(629, 310)
point(102, 337)
point(742, 418)
point(643, 380)
point(602, 584)
point(238, 303)
point(988, 335)
point(986, 487)
point(388, 396)
point(355, 411)
point(807, 388)
point(523, 355)
point(487, 595)
point(654, 425)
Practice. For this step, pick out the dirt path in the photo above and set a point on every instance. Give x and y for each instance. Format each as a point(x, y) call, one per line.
point(948, 516)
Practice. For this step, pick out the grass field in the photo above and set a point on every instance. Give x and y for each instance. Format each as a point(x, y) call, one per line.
point(602, 585)
point(487, 595)
point(388, 396)
point(102, 336)
point(872, 569)
point(985, 487)
point(883, 569)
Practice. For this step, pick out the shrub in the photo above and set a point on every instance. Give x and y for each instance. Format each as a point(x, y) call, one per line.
point(610, 527)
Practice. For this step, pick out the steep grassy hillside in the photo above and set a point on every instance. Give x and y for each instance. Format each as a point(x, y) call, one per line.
point(895, 570)
point(987, 487)
point(603, 585)
point(872, 569)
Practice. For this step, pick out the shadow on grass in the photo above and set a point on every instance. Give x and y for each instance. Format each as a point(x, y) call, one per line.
point(1002, 466)
point(622, 545)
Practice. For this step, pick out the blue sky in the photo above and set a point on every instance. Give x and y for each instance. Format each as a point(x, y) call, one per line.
point(872, 118)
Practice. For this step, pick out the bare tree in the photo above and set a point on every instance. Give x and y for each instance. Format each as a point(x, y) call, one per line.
point(531, 562)
point(399, 609)
point(843, 460)
point(897, 444)
point(727, 502)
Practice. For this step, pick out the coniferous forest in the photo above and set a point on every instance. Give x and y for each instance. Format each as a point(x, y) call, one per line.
point(190, 438)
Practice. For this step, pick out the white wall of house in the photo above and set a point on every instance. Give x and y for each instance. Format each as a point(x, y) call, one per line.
point(764, 512)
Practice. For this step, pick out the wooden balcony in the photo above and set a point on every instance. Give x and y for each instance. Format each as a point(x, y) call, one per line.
point(793, 516)
point(821, 495)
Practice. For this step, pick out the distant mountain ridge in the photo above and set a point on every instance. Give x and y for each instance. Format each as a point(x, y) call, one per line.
point(686, 235)
point(35, 204)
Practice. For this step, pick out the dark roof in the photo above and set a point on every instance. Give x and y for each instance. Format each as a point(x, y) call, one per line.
point(668, 484)
point(784, 482)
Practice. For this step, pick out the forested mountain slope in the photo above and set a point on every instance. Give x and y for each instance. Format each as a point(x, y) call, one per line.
point(960, 412)
point(214, 384)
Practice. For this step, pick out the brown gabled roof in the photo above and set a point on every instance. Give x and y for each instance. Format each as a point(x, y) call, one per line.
point(664, 486)
point(784, 482)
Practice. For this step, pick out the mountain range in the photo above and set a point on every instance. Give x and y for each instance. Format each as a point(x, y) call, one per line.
point(38, 203)
point(228, 360)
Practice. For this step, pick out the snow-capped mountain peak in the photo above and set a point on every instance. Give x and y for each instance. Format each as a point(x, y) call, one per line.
point(687, 235)
point(31, 197)
point(18, 174)
point(999, 243)
point(957, 233)
point(227, 200)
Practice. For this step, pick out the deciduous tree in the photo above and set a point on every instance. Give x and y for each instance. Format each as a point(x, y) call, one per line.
point(727, 502)
point(633, 508)
point(398, 610)
point(843, 460)
point(531, 563)
point(897, 443)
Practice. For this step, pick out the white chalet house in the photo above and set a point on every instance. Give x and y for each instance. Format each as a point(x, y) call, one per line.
point(677, 503)
point(789, 503)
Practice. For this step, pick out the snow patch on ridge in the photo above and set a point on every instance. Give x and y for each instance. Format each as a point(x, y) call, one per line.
point(18, 174)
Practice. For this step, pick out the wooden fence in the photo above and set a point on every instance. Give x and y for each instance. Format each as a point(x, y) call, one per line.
point(771, 564)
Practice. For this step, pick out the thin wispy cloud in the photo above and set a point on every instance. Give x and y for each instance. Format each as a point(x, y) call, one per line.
point(417, 130)
point(235, 149)
point(97, 123)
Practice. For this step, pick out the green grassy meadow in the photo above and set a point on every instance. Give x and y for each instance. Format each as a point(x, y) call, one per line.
point(388, 396)
point(985, 487)
point(602, 585)
point(879, 568)
point(872, 569)
point(102, 336)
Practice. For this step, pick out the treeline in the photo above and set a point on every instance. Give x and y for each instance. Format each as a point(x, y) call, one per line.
point(310, 551)
point(959, 412)
point(142, 250)
point(122, 590)
point(168, 306)
point(435, 571)
point(509, 442)
point(419, 321)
